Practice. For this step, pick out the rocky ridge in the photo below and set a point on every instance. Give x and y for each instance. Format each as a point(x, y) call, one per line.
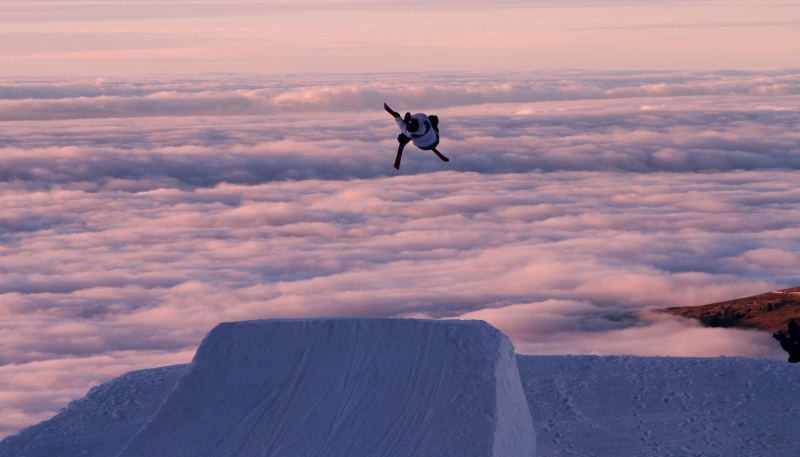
point(771, 311)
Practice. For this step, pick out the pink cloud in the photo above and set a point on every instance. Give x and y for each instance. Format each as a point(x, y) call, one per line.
point(126, 239)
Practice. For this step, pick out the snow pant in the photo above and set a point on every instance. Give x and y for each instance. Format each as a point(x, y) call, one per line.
point(404, 140)
point(432, 146)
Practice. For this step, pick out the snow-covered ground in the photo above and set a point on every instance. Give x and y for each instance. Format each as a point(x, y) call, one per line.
point(663, 406)
point(102, 422)
point(581, 405)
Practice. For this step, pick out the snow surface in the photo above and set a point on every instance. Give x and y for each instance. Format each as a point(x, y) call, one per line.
point(99, 424)
point(581, 406)
point(663, 406)
point(345, 387)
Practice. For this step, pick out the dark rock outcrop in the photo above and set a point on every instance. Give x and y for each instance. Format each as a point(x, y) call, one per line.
point(771, 311)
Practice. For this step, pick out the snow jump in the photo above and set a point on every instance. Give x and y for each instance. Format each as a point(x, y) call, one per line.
point(418, 128)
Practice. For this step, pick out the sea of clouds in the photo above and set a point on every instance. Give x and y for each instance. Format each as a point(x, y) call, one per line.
point(138, 213)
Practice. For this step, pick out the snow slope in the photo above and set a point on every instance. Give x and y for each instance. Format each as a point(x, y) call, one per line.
point(345, 387)
point(663, 406)
point(99, 424)
point(581, 406)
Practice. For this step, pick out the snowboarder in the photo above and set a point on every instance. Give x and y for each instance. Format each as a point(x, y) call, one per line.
point(790, 341)
point(421, 129)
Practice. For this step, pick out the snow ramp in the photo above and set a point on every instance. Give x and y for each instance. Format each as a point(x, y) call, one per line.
point(345, 387)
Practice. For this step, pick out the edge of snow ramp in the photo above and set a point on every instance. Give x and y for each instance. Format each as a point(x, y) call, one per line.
point(345, 387)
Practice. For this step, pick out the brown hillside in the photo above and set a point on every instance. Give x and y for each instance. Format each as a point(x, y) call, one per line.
point(771, 311)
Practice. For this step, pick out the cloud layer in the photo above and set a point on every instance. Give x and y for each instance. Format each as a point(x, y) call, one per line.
point(45, 99)
point(561, 221)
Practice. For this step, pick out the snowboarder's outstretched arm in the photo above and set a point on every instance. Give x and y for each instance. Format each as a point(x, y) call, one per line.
point(389, 110)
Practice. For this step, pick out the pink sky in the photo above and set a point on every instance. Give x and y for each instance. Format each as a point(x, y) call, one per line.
point(108, 37)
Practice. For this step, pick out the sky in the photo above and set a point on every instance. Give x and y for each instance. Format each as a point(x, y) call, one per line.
point(123, 37)
point(166, 166)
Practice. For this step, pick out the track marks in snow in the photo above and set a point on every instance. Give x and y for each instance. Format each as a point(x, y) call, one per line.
point(340, 388)
point(654, 407)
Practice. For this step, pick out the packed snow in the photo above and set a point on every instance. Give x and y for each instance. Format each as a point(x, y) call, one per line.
point(663, 406)
point(580, 405)
point(99, 424)
point(345, 387)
